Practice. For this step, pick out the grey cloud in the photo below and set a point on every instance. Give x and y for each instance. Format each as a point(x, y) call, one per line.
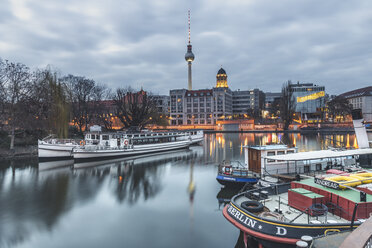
point(142, 43)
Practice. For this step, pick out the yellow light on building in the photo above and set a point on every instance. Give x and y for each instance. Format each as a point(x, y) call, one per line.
point(310, 97)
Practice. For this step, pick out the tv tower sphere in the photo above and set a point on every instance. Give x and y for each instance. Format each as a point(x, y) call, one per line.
point(189, 56)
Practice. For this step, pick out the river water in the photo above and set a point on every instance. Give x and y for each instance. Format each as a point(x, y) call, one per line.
point(164, 200)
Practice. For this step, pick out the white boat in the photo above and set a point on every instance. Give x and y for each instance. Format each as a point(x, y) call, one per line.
point(274, 160)
point(52, 148)
point(195, 137)
point(114, 145)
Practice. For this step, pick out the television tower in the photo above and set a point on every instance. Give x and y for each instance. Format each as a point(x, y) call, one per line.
point(189, 57)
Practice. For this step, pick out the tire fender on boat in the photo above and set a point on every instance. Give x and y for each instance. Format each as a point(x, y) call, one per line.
point(252, 206)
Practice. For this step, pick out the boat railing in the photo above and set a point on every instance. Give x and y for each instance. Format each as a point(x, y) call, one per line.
point(55, 141)
point(104, 147)
point(234, 168)
point(264, 192)
point(292, 171)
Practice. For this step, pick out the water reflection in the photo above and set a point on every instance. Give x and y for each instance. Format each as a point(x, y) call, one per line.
point(32, 198)
point(217, 150)
point(36, 201)
point(224, 196)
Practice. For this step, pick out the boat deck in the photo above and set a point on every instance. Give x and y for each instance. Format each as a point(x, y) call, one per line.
point(349, 194)
point(291, 213)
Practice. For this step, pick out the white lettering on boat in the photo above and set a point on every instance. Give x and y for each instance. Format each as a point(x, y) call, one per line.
point(326, 183)
point(237, 214)
point(241, 217)
point(250, 223)
point(281, 231)
point(229, 178)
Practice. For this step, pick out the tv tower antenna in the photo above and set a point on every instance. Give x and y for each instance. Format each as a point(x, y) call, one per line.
point(189, 56)
point(189, 29)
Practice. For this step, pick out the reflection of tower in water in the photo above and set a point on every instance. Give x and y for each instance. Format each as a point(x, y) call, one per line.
point(191, 190)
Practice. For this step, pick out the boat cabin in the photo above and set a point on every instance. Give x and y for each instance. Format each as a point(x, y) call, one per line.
point(114, 140)
point(313, 161)
point(255, 158)
point(120, 140)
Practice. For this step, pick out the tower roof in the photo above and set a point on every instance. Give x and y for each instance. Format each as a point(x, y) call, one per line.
point(221, 71)
point(221, 79)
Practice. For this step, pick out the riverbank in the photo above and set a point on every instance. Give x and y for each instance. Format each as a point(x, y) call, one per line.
point(18, 153)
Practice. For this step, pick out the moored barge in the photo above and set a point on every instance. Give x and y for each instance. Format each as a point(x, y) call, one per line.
point(279, 215)
point(116, 145)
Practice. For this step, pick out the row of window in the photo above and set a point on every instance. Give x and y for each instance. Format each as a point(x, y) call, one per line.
point(322, 88)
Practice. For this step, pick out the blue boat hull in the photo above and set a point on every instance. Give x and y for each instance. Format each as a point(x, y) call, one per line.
point(235, 181)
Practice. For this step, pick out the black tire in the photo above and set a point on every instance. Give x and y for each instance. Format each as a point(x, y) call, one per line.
point(252, 206)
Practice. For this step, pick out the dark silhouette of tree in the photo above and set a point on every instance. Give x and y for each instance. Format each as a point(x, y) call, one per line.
point(14, 80)
point(274, 109)
point(85, 96)
point(339, 106)
point(49, 108)
point(254, 113)
point(134, 109)
point(287, 105)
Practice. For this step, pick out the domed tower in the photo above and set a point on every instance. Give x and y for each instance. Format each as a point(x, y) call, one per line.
point(189, 57)
point(221, 79)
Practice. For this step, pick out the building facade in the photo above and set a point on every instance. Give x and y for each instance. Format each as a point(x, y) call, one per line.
point(204, 106)
point(270, 97)
point(309, 98)
point(361, 99)
point(162, 103)
point(243, 100)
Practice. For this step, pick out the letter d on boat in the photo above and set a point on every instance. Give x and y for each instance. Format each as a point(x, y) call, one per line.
point(281, 231)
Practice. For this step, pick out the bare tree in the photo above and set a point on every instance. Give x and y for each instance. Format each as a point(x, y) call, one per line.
point(81, 96)
point(134, 109)
point(14, 80)
point(287, 104)
point(2, 93)
point(274, 108)
point(339, 106)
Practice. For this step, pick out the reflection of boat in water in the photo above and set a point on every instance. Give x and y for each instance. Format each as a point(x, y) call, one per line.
point(245, 241)
point(225, 194)
point(55, 164)
point(137, 160)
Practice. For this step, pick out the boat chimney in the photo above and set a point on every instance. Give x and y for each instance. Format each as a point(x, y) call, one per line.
point(359, 128)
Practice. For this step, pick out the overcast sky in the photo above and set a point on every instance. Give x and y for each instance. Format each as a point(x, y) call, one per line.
point(260, 43)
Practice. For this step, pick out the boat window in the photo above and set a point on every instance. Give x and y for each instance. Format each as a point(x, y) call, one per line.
point(105, 137)
point(290, 151)
point(318, 167)
point(280, 152)
point(270, 153)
